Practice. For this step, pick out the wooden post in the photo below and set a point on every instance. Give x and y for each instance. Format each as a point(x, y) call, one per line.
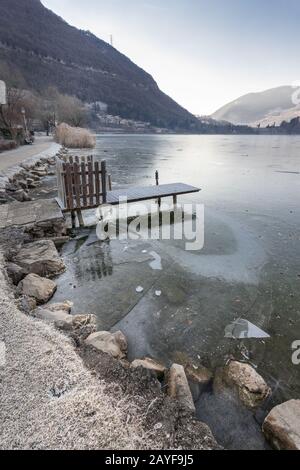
point(80, 218)
point(157, 184)
point(103, 181)
point(109, 183)
point(97, 182)
point(73, 219)
point(174, 200)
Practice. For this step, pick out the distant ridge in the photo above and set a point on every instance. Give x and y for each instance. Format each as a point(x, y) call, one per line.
point(266, 107)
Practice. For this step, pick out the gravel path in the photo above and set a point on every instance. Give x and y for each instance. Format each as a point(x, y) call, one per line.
point(14, 157)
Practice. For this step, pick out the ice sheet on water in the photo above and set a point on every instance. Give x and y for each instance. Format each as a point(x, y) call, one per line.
point(241, 328)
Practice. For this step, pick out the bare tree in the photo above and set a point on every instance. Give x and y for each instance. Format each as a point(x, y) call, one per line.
point(11, 113)
point(71, 111)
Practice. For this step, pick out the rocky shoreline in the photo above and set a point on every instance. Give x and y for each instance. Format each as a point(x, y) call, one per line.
point(164, 397)
point(16, 181)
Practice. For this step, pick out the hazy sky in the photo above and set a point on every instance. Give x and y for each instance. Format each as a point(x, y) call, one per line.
point(203, 53)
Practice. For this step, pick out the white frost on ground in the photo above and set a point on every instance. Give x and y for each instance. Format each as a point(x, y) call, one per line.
point(48, 399)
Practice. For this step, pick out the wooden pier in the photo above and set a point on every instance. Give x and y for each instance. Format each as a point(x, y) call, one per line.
point(85, 184)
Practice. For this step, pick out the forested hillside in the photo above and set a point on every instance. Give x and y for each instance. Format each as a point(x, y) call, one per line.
point(43, 50)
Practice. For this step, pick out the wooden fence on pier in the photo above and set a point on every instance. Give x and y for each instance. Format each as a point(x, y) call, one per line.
point(82, 183)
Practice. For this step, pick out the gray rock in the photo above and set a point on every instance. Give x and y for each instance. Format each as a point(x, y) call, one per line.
point(21, 195)
point(179, 389)
point(41, 289)
point(31, 183)
point(198, 374)
point(80, 326)
point(40, 258)
point(23, 184)
point(114, 344)
point(150, 364)
point(60, 307)
point(199, 378)
point(27, 304)
point(249, 386)
point(16, 273)
point(282, 426)
point(60, 317)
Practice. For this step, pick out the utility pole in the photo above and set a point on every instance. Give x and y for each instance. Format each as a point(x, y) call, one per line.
point(2, 93)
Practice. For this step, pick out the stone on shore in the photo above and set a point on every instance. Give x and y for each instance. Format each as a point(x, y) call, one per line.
point(81, 325)
point(40, 257)
point(21, 195)
point(179, 389)
point(16, 273)
point(282, 426)
point(61, 307)
point(39, 288)
point(27, 304)
point(199, 375)
point(250, 387)
point(150, 364)
point(114, 344)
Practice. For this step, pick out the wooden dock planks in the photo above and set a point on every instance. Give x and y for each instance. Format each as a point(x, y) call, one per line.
point(143, 193)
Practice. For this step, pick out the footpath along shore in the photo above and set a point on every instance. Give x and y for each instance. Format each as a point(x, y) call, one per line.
point(15, 157)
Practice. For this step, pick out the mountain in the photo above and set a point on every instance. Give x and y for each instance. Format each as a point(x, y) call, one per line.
point(42, 50)
point(267, 107)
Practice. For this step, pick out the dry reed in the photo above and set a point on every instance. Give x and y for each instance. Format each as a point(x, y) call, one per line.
point(74, 137)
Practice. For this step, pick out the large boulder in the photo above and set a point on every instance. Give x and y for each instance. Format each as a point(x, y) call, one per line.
point(179, 389)
point(282, 426)
point(40, 288)
point(243, 379)
point(40, 257)
point(114, 344)
point(154, 366)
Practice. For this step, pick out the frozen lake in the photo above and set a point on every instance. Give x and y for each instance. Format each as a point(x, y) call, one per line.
point(249, 267)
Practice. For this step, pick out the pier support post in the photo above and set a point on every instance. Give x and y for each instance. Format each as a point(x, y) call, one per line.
point(80, 218)
point(73, 219)
point(157, 184)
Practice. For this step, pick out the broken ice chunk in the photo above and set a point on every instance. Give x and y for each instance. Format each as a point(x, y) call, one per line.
point(240, 329)
point(139, 289)
point(156, 263)
point(158, 293)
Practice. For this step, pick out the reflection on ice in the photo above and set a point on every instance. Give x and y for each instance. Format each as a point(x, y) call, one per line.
point(240, 329)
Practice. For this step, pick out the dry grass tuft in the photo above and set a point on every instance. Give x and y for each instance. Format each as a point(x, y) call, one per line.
point(74, 137)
